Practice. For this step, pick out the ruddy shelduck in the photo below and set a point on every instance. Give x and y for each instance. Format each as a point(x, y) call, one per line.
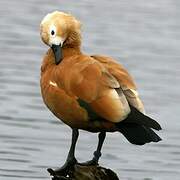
point(94, 93)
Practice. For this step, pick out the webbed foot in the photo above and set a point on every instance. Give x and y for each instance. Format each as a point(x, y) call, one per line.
point(89, 163)
point(62, 171)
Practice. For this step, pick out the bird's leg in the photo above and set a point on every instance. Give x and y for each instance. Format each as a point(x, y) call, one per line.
point(71, 160)
point(97, 153)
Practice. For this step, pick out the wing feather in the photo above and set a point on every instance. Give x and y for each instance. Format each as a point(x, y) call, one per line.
point(93, 83)
point(90, 79)
point(125, 80)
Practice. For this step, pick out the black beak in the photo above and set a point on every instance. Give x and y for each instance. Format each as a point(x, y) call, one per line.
point(57, 50)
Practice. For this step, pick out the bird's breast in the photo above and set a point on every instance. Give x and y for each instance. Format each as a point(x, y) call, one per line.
point(61, 103)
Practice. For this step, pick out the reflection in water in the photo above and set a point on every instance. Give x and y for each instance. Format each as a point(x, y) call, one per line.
point(143, 35)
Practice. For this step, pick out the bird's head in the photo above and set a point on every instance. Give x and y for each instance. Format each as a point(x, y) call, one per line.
point(59, 30)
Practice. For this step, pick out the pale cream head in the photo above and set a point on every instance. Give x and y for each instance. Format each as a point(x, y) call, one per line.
point(58, 27)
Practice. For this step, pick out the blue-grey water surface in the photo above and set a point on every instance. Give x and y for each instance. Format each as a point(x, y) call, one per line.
point(143, 35)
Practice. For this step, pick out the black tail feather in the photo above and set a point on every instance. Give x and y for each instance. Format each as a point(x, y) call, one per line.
point(137, 128)
point(138, 134)
point(139, 118)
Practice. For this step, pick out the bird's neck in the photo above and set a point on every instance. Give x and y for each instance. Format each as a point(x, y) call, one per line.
point(73, 42)
point(68, 51)
point(71, 51)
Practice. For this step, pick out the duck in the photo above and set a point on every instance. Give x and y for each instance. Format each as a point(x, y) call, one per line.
point(94, 93)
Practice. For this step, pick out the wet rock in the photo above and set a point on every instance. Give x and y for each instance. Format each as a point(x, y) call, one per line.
point(88, 173)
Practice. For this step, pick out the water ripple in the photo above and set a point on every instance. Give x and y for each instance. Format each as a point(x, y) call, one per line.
point(141, 35)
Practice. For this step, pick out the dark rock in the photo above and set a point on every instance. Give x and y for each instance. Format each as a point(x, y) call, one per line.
point(95, 172)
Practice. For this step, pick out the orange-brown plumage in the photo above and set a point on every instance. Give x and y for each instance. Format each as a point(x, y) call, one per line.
point(93, 79)
point(94, 93)
point(77, 76)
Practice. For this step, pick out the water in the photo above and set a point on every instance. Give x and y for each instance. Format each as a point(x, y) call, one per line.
point(143, 35)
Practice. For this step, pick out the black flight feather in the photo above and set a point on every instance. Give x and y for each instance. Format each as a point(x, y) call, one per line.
point(137, 128)
point(137, 117)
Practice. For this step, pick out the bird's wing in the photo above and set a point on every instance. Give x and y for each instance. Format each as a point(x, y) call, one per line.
point(89, 79)
point(92, 83)
point(117, 70)
point(124, 78)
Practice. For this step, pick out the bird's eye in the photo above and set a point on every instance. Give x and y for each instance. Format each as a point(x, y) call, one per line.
point(52, 32)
